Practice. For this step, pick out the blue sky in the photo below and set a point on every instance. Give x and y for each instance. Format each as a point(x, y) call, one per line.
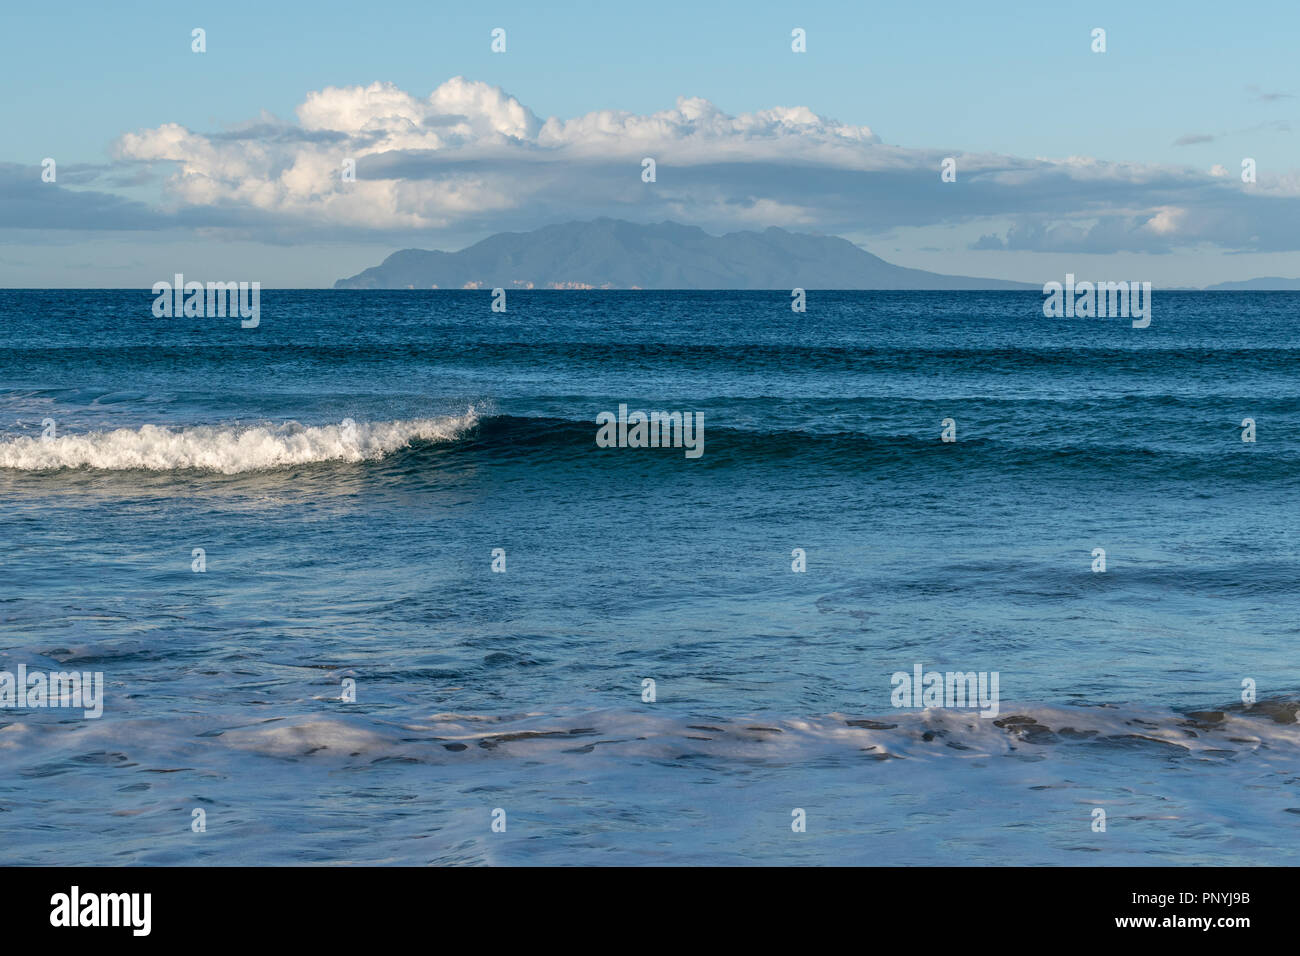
point(1013, 92)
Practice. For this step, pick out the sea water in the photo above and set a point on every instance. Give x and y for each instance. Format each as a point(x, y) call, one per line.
point(363, 586)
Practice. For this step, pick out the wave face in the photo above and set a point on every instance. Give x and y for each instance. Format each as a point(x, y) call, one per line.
point(232, 449)
point(227, 449)
point(350, 643)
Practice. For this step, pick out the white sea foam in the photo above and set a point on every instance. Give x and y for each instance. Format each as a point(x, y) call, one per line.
point(228, 449)
point(932, 734)
point(652, 785)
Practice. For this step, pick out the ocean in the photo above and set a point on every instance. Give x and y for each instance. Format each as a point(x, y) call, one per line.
point(363, 587)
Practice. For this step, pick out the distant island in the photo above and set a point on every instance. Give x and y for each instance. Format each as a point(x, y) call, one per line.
point(614, 254)
point(1267, 284)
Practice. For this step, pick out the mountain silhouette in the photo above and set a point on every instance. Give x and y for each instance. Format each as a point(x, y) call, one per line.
point(615, 254)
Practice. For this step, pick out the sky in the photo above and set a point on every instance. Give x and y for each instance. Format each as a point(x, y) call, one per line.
point(228, 164)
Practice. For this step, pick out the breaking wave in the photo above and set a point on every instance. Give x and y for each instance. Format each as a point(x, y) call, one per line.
point(228, 449)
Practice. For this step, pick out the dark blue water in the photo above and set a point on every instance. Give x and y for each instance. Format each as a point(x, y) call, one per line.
point(349, 466)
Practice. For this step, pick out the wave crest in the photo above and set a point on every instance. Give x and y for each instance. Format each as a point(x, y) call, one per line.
point(228, 449)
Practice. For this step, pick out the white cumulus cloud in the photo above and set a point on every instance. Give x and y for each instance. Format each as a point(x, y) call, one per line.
point(473, 157)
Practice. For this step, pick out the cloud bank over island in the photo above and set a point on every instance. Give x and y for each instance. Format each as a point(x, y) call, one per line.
point(471, 158)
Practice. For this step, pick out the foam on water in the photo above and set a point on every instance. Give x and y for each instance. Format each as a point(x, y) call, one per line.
point(228, 449)
point(655, 785)
point(929, 734)
point(933, 733)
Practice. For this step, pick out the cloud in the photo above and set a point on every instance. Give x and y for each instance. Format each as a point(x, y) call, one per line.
point(1263, 97)
point(28, 202)
point(1157, 231)
point(470, 158)
point(470, 150)
point(1192, 139)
